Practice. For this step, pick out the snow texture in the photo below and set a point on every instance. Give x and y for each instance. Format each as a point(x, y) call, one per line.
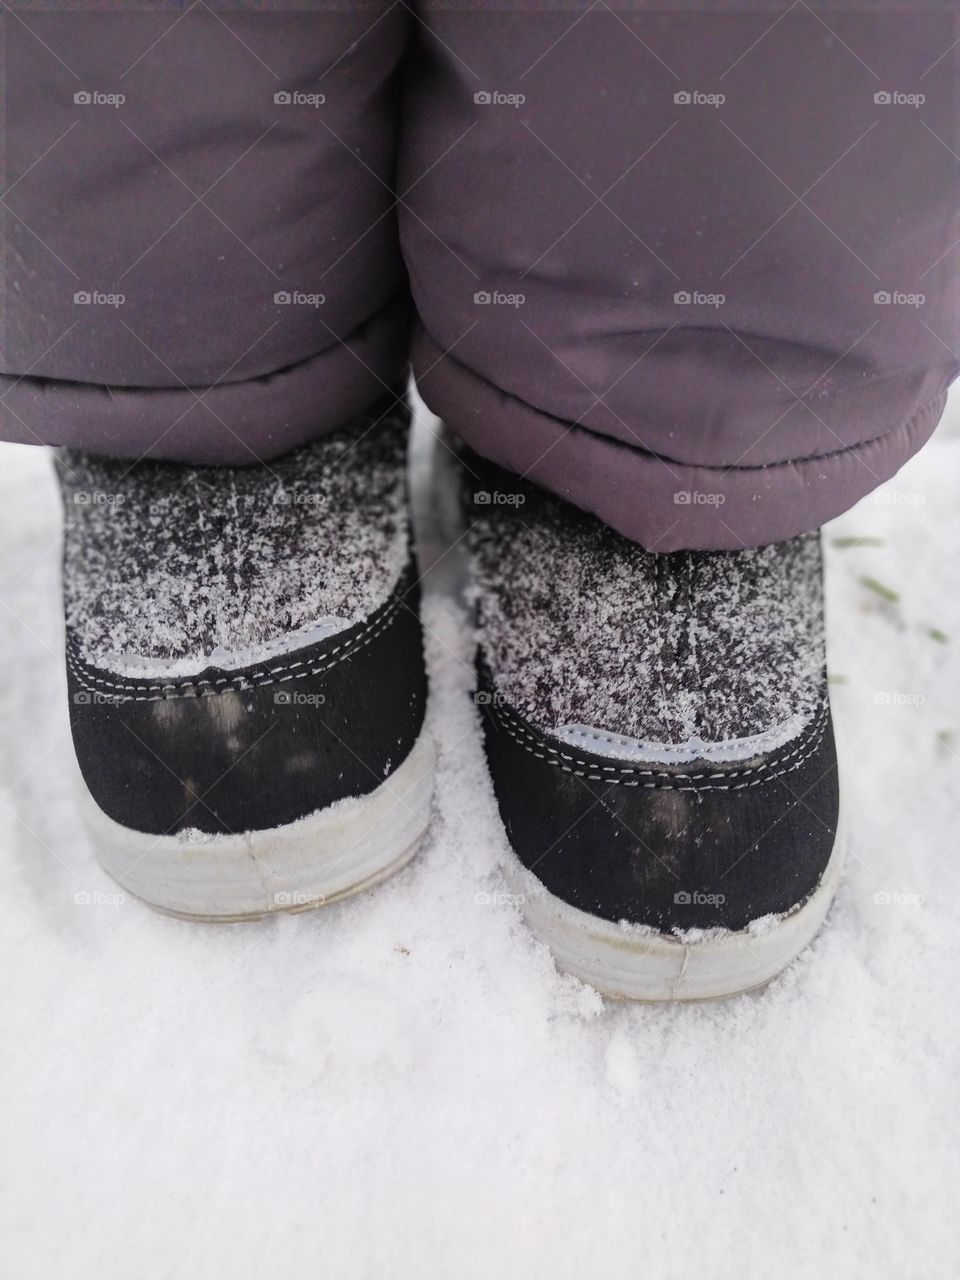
point(684, 655)
point(402, 1085)
point(169, 568)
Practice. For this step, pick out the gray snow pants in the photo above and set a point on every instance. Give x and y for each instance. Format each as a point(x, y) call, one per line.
point(693, 269)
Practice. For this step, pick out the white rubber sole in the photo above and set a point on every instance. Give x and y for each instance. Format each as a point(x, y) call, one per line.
point(643, 964)
point(330, 854)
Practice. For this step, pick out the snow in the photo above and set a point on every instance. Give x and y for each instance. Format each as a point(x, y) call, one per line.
point(173, 568)
point(727, 646)
point(403, 1086)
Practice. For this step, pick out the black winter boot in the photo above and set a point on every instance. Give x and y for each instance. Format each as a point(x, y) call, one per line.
point(658, 731)
point(246, 674)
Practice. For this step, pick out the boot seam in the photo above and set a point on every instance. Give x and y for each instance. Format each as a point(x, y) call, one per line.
point(630, 777)
point(204, 688)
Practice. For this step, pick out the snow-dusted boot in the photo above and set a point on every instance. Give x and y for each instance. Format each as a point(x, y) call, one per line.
point(659, 736)
point(245, 670)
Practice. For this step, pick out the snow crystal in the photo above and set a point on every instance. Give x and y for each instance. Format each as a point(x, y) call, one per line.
point(169, 568)
point(679, 656)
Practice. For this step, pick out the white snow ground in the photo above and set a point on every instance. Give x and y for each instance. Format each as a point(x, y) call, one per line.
point(402, 1085)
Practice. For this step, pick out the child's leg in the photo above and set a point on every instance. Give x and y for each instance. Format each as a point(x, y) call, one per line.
point(702, 213)
point(207, 272)
point(201, 256)
point(695, 273)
